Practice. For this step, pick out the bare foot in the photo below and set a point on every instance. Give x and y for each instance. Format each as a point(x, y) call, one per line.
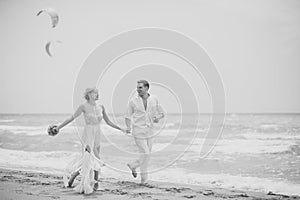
point(145, 184)
point(133, 171)
point(65, 180)
point(96, 186)
point(144, 181)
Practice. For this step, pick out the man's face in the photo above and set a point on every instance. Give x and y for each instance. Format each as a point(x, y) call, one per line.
point(141, 89)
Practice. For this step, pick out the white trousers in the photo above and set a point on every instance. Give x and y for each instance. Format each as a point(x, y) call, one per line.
point(144, 145)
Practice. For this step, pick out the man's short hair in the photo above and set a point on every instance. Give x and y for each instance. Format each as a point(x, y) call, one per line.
point(145, 83)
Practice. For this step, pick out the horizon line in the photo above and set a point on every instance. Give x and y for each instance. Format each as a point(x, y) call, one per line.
point(204, 113)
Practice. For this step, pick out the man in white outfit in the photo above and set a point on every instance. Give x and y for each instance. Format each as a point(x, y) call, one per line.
point(143, 110)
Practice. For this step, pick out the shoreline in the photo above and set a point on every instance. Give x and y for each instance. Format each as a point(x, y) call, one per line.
point(26, 185)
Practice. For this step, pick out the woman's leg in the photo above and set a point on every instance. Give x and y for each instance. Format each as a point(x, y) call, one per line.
point(73, 176)
point(96, 173)
point(97, 154)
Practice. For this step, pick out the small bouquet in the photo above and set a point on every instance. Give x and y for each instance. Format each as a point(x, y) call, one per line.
point(52, 131)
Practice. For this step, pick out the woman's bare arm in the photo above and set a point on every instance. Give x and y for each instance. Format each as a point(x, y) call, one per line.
point(71, 118)
point(107, 120)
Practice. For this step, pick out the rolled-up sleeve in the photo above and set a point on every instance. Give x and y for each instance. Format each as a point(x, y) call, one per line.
point(129, 111)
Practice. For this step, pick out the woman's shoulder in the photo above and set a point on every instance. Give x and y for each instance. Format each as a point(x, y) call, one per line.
point(99, 105)
point(83, 106)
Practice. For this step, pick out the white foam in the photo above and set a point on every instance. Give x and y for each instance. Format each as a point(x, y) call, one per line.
point(7, 120)
point(32, 130)
point(227, 181)
point(24, 129)
point(170, 125)
point(107, 130)
point(266, 126)
point(177, 132)
point(271, 136)
point(249, 146)
point(159, 147)
point(167, 133)
point(37, 160)
point(57, 161)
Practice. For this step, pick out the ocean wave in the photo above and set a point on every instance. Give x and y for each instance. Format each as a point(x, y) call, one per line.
point(230, 146)
point(227, 181)
point(270, 126)
point(6, 120)
point(34, 130)
point(57, 161)
point(31, 130)
point(247, 146)
point(271, 136)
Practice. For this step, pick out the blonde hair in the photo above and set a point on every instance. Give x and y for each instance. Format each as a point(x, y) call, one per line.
point(88, 91)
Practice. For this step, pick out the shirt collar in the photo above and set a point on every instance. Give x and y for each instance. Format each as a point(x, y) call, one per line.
point(141, 97)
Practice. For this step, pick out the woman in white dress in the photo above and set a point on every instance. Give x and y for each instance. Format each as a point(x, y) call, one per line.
point(89, 164)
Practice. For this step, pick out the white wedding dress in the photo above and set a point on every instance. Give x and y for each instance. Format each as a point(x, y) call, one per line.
point(88, 162)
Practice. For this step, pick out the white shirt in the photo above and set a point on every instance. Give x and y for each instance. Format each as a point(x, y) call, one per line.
point(141, 117)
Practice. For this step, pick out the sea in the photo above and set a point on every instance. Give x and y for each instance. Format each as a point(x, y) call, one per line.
point(254, 152)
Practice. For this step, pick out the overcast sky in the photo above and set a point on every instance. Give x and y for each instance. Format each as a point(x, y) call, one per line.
point(254, 44)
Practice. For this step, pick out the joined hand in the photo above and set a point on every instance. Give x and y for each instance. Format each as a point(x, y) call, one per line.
point(156, 119)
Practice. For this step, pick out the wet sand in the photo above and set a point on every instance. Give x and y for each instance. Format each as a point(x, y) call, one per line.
point(26, 185)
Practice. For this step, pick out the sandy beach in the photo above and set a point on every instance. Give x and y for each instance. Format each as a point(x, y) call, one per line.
point(26, 185)
point(199, 97)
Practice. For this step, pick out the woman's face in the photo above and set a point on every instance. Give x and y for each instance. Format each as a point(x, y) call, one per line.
point(94, 95)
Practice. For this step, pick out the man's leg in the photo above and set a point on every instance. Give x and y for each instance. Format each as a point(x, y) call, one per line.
point(144, 165)
point(142, 145)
